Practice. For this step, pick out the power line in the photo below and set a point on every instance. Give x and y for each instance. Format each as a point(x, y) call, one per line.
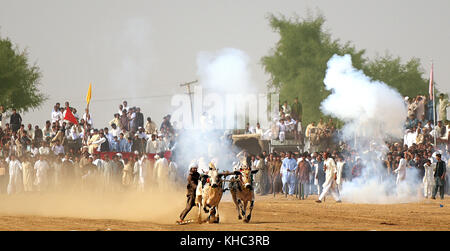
point(132, 98)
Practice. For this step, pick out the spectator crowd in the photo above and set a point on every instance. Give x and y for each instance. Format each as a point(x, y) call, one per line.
point(63, 154)
point(132, 152)
point(424, 149)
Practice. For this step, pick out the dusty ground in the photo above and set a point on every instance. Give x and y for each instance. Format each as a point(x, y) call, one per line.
point(270, 213)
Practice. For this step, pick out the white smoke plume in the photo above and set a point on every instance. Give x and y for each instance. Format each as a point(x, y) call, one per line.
point(224, 71)
point(223, 76)
point(373, 113)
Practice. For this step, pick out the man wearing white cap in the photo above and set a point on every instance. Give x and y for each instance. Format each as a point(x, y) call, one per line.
point(193, 179)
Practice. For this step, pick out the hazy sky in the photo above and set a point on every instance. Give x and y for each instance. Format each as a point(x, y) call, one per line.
point(142, 50)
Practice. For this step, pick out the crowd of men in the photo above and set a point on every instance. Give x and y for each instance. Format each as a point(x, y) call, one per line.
point(78, 154)
point(65, 154)
point(304, 174)
point(425, 148)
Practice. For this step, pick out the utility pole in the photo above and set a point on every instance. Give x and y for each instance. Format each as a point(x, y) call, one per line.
point(190, 92)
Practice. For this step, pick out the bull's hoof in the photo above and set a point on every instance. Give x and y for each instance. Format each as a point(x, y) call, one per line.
point(205, 210)
point(239, 217)
point(248, 218)
point(216, 220)
point(245, 220)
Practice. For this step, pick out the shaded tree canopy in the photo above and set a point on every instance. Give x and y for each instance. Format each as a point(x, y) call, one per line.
point(297, 65)
point(19, 81)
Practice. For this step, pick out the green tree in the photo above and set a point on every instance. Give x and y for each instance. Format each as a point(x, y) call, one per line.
point(297, 65)
point(19, 81)
point(406, 78)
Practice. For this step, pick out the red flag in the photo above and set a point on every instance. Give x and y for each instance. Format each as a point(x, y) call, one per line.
point(69, 117)
point(431, 83)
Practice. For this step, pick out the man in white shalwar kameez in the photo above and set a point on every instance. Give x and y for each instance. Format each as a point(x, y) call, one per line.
point(28, 174)
point(100, 164)
point(173, 170)
point(162, 170)
point(428, 178)
point(340, 171)
point(15, 184)
point(401, 169)
point(330, 179)
point(288, 168)
point(143, 172)
point(41, 166)
point(107, 174)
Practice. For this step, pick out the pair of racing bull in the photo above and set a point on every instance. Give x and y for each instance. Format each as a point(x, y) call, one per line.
point(211, 187)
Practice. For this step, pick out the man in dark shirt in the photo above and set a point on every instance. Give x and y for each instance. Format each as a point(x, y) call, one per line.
point(192, 179)
point(439, 176)
point(296, 110)
point(139, 118)
point(15, 120)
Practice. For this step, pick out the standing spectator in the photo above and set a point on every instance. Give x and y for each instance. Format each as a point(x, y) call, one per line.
point(124, 121)
point(56, 115)
point(115, 145)
point(15, 175)
point(439, 176)
point(150, 127)
point(2, 117)
point(286, 108)
point(330, 179)
point(303, 171)
point(3, 176)
point(401, 169)
point(340, 175)
point(115, 120)
point(28, 174)
point(319, 176)
point(58, 148)
point(443, 104)
point(139, 118)
point(115, 130)
point(288, 168)
point(428, 178)
point(297, 110)
point(125, 106)
point(120, 109)
point(128, 145)
point(261, 175)
point(87, 117)
point(15, 120)
point(132, 117)
point(421, 103)
point(42, 169)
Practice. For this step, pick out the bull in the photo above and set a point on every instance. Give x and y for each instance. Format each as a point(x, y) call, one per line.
point(209, 196)
point(242, 192)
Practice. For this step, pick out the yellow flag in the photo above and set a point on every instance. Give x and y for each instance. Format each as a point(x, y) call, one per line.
point(88, 97)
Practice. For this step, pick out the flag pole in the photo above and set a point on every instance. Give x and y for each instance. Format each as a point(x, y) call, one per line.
point(434, 103)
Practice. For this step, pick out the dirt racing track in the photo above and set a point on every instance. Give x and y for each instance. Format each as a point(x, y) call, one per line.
point(274, 214)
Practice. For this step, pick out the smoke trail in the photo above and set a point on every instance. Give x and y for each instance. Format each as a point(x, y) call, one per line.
point(373, 113)
point(223, 75)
